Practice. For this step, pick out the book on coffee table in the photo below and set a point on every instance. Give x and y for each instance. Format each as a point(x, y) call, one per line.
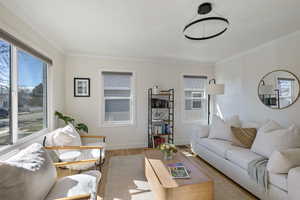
point(177, 170)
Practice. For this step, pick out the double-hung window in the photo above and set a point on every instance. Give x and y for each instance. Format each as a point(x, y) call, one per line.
point(23, 94)
point(118, 98)
point(286, 90)
point(195, 98)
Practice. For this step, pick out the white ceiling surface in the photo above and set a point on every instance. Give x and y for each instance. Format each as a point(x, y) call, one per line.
point(153, 28)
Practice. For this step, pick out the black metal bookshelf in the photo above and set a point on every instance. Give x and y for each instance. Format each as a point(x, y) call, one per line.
point(160, 117)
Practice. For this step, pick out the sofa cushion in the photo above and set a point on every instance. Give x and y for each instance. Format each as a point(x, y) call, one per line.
point(220, 129)
point(281, 161)
point(243, 137)
point(24, 177)
point(85, 183)
point(219, 147)
point(279, 180)
point(266, 142)
point(242, 157)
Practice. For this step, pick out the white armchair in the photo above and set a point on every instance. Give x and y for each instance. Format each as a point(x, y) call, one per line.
point(31, 175)
point(68, 145)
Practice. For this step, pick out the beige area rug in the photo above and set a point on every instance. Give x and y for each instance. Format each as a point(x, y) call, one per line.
point(126, 181)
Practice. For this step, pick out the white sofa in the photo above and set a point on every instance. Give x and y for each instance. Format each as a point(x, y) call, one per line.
point(233, 162)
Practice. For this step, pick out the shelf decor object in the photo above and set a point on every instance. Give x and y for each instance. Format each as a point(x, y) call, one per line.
point(213, 89)
point(207, 24)
point(160, 117)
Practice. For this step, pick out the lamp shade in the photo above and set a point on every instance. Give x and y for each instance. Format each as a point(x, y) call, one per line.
point(215, 89)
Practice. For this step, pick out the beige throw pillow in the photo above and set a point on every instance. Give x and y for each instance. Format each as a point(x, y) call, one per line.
point(243, 137)
point(281, 161)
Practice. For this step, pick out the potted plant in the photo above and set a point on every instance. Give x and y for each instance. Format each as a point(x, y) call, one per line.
point(80, 127)
point(168, 150)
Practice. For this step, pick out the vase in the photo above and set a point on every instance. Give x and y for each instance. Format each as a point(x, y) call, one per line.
point(156, 89)
point(168, 156)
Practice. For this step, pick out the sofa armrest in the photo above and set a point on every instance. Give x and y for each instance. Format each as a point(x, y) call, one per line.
point(293, 184)
point(200, 131)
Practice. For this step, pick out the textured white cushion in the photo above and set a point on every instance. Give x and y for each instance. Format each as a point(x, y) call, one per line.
point(279, 180)
point(241, 157)
point(26, 184)
point(78, 184)
point(281, 161)
point(266, 142)
point(71, 132)
point(221, 129)
point(219, 147)
point(61, 138)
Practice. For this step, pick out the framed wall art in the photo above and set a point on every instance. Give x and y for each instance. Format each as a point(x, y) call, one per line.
point(82, 87)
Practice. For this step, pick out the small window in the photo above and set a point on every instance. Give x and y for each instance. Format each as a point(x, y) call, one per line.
point(195, 101)
point(286, 91)
point(118, 97)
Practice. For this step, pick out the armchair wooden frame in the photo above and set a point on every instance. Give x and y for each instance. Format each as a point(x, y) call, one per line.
point(62, 164)
point(101, 160)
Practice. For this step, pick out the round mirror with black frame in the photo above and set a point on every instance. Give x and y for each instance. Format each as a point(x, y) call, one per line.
point(279, 89)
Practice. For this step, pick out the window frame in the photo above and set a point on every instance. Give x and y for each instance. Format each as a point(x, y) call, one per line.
point(184, 98)
point(132, 104)
point(14, 99)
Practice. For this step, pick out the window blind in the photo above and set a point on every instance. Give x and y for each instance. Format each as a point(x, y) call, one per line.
point(18, 43)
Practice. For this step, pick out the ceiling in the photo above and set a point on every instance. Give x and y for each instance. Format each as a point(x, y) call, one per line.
point(152, 29)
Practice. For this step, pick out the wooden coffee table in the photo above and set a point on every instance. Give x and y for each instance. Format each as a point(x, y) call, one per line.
point(164, 187)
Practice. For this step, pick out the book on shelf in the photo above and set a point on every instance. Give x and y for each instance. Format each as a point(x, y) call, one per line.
point(178, 171)
point(161, 129)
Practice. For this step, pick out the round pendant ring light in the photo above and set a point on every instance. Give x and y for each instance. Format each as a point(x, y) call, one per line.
point(208, 26)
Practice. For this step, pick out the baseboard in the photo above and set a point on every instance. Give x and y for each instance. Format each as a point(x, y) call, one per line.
point(142, 145)
point(125, 146)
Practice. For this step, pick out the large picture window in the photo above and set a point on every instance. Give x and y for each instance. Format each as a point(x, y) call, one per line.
point(24, 112)
point(117, 97)
point(195, 98)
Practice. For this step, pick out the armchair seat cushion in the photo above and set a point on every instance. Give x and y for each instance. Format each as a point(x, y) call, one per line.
point(69, 155)
point(78, 184)
point(89, 154)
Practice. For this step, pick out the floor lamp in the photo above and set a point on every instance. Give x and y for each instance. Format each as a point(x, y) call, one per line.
point(213, 89)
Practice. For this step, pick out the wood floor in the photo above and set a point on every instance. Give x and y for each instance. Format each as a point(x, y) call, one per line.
point(125, 152)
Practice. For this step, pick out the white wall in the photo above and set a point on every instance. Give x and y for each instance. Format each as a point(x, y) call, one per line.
point(165, 74)
point(242, 73)
point(15, 26)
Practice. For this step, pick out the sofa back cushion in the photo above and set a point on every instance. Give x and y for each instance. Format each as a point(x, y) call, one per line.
point(29, 175)
point(220, 129)
point(266, 141)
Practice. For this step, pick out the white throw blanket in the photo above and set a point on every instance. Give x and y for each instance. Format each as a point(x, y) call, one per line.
point(30, 158)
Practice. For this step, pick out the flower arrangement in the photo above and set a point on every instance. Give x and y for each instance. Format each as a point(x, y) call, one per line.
point(168, 150)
